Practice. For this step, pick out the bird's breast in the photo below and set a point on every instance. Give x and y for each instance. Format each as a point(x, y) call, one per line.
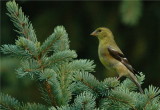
point(102, 52)
point(106, 59)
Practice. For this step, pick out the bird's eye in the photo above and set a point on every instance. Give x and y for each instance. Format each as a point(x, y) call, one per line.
point(99, 30)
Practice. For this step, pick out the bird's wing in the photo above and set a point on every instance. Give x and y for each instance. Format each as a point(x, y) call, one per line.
point(120, 57)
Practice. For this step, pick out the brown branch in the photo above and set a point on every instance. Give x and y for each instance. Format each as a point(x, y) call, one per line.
point(34, 57)
point(87, 84)
point(22, 24)
point(48, 88)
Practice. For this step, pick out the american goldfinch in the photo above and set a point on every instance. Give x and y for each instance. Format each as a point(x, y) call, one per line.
point(112, 57)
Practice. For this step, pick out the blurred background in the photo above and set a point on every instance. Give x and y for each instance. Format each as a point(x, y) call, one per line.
point(135, 25)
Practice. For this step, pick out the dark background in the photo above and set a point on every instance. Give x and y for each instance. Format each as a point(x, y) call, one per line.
point(135, 25)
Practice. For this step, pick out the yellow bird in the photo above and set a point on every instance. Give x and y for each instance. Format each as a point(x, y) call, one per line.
point(112, 57)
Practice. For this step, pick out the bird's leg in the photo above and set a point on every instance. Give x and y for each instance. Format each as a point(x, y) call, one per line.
point(119, 77)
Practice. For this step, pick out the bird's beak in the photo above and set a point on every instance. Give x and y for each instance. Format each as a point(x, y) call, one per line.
point(93, 33)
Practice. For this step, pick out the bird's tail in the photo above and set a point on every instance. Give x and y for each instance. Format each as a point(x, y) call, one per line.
point(134, 79)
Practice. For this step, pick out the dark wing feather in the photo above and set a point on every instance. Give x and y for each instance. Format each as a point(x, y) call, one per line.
point(120, 57)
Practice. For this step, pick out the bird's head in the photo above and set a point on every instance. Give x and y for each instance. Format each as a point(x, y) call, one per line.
point(102, 33)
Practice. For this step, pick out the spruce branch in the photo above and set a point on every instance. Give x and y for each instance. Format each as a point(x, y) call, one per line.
point(65, 82)
point(16, 51)
point(59, 57)
point(33, 106)
point(105, 87)
point(66, 107)
point(124, 96)
point(52, 86)
point(44, 92)
point(85, 101)
point(20, 21)
point(29, 67)
point(9, 103)
point(51, 96)
point(63, 43)
point(130, 85)
point(84, 81)
point(82, 65)
point(151, 93)
point(28, 45)
point(57, 40)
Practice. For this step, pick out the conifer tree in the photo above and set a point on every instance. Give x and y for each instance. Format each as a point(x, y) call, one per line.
point(66, 83)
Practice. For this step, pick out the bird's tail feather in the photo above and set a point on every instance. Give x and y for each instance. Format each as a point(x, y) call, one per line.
point(134, 79)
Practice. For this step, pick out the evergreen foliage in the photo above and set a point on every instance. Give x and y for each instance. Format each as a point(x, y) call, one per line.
point(131, 12)
point(65, 82)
